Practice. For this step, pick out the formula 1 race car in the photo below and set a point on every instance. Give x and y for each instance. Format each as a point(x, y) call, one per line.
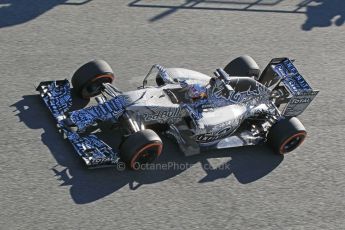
point(237, 106)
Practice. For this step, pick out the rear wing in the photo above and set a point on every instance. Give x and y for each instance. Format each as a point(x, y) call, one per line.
point(295, 92)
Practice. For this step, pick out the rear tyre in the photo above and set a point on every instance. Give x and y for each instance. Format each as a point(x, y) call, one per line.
point(286, 135)
point(243, 66)
point(88, 79)
point(141, 148)
point(159, 80)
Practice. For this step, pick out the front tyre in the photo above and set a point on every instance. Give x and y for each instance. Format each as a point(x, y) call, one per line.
point(88, 79)
point(141, 148)
point(286, 135)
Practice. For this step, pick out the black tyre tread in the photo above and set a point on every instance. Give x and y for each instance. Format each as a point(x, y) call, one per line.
point(159, 81)
point(244, 66)
point(282, 130)
point(137, 141)
point(89, 71)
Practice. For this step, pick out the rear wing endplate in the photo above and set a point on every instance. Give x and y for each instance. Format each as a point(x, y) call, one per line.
point(282, 72)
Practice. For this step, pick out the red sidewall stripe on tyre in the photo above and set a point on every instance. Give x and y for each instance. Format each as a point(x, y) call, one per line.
point(303, 134)
point(110, 76)
point(137, 154)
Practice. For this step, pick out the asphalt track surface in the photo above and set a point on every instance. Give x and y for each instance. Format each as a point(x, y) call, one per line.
point(43, 185)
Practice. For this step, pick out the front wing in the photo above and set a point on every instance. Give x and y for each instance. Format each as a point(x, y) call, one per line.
point(94, 152)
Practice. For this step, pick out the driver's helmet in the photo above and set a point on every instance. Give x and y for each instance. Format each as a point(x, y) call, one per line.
point(197, 91)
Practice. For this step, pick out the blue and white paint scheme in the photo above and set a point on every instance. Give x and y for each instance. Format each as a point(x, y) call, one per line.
point(222, 111)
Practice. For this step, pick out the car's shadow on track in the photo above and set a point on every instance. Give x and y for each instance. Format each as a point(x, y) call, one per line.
point(247, 164)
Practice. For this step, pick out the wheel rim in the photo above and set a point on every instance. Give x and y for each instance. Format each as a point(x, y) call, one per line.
point(292, 142)
point(146, 154)
point(94, 87)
